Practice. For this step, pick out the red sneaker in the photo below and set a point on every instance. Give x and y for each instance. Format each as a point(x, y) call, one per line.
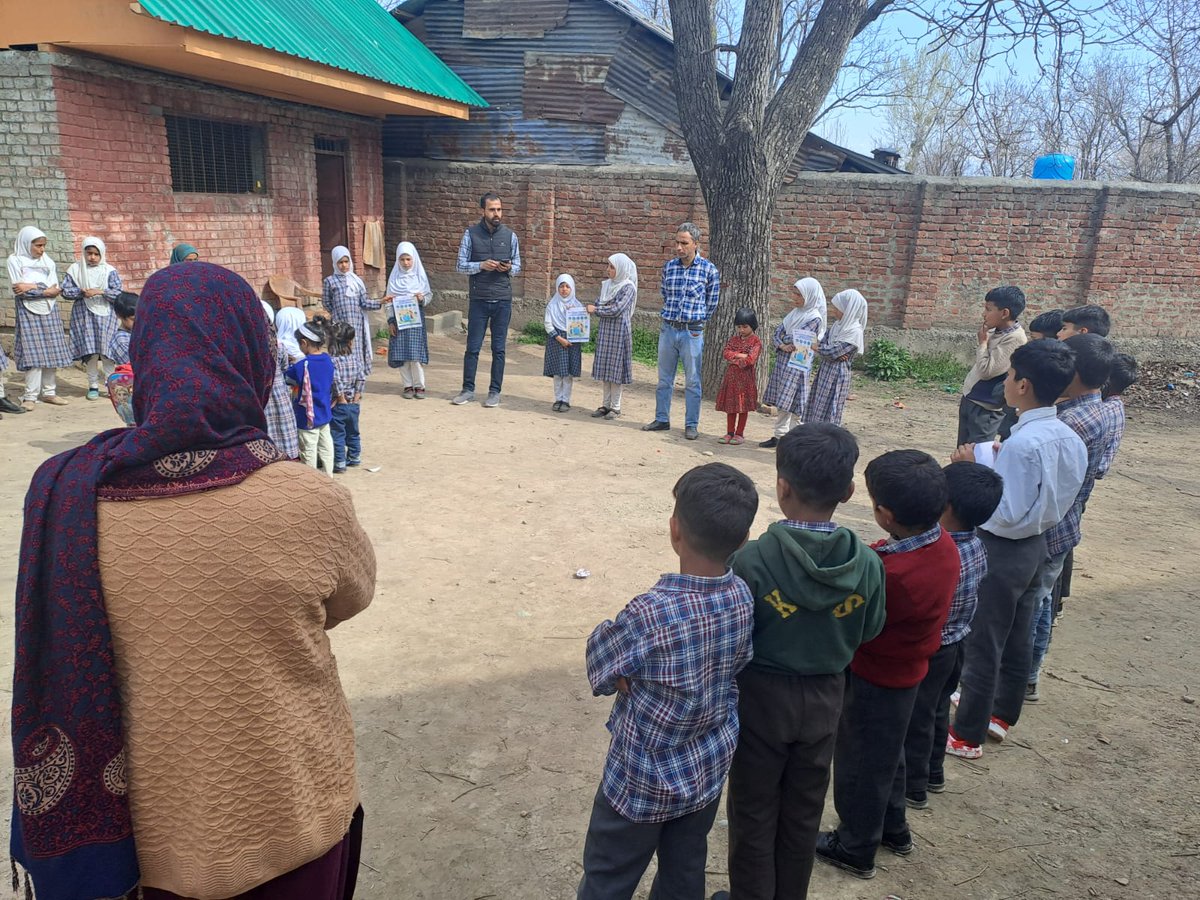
point(960, 748)
point(998, 729)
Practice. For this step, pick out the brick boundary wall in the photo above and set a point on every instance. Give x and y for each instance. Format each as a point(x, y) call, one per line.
point(922, 250)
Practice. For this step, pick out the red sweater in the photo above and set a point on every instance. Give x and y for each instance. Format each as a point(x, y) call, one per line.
point(920, 585)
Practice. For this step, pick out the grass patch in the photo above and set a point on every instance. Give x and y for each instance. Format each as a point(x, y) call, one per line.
point(885, 361)
point(645, 341)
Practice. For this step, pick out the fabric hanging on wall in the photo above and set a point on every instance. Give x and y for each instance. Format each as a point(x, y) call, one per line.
point(374, 254)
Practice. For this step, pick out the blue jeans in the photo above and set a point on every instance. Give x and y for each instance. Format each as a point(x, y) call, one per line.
point(347, 443)
point(674, 345)
point(482, 313)
point(1043, 613)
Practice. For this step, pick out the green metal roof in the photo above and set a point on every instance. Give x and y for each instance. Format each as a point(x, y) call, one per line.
point(356, 36)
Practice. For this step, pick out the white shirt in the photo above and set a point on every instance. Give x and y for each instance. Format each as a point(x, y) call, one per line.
point(1042, 463)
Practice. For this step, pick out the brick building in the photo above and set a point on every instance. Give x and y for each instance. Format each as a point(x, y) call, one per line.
point(166, 122)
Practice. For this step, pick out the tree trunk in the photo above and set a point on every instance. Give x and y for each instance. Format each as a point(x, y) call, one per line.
point(741, 204)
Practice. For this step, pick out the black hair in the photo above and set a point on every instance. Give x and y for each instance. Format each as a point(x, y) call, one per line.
point(745, 316)
point(911, 484)
point(1092, 317)
point(125, 305)
point(318, 325)
point(1124, 373)
point(1048, 324)
point(1048, 364)
point(1093, 358)
point(817, 461)
point(715, 506)
point(341, 337)
point(974, 492)
point(1008, 297)
point(490, 195)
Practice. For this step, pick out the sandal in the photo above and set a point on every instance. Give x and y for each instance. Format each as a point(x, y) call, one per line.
point(419, 393)
point(727, 439)
point(737, 439)
point(408, 393)
point(600, 412)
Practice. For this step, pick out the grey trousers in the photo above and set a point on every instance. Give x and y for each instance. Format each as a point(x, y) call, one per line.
point(977, 425)
point(778, 781)
point(617, 851)
point(999, 648)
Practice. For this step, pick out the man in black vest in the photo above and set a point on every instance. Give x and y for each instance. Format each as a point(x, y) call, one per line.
point(489, 254)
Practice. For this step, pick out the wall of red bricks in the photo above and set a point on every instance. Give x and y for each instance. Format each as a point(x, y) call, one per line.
point(114, 154)
point(922, 250)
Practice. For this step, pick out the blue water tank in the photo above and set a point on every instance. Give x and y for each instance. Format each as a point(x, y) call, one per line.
point(1058, 166)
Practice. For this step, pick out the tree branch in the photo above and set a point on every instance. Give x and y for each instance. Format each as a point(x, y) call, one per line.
point(1183, 107)
point(873, 12)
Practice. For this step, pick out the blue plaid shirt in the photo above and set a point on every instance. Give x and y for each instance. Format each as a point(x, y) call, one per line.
point(905, 545)
point(972, 566)
point(349, 379)
point(690, 293)
point(827, 527)
point(1114, 411)
point(673, 735)
point(1089, 419)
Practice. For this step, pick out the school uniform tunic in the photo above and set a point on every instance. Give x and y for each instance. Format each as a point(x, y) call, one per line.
point(832, 384)
point(347, 301)
point(613, 361)
point(409, 344)
point(281, 421)
point(93, 324)
point(787, 388)
point(41, 342)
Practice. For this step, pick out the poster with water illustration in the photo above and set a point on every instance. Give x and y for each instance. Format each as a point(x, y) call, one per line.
point(579, 326)
point(407, 311)
point(802, 357)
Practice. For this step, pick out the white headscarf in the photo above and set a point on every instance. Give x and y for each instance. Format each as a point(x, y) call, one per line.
point(557, 305)
point(338, 253)
point(814, 307)
point(40, 270)
point(627, 273)
point(851, 327)
point(90, 278)
point(405, 284)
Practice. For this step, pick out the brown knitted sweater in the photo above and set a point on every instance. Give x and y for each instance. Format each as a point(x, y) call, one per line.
point(240, 747)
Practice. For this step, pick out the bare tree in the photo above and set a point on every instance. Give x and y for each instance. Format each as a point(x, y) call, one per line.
point(741, 149)
point(927, 113)
point(1004, 124)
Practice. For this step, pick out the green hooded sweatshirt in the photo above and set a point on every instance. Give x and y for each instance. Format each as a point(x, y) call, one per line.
point(817, 596)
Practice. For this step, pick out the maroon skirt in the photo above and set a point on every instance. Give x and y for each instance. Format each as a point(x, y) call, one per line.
point(329, 877)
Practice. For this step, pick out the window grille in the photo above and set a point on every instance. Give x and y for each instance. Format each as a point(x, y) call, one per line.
point(331, 145)
point(211, 157)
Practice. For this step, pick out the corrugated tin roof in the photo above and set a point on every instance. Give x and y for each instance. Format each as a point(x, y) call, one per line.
point(495, 136)
point(356, 36)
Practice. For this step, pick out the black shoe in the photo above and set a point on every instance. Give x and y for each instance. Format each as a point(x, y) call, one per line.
point(353, 462)
point(691, 433)
point(937, 783)
point(600, 413)
point(769, 442)
point(9, 407)
point(339, 470)
point(917, 800)
point(830, 850)
point(566, 407)
point(657, 426)
point(720, 895)
point(901, 843)
point(557, 407)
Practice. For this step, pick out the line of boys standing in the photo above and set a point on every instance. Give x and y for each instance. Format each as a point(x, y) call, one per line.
point(853, 651)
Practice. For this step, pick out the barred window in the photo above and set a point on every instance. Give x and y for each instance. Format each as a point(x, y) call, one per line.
point(211, 157)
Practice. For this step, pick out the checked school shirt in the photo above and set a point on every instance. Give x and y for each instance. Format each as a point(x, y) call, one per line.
point(972, 566)
point(1088, 418)
point(680, 645)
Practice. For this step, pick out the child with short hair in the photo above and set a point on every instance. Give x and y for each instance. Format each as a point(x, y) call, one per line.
point(311, 381)
point(1046, 325)
point(844, 340)
point(738, 395)
point(1090, 319)
point(787, 387)
point(819, 594)
point(671, 657)
point(920, 562)
point(92, 284)
point(564, 359)
point(974, 493)
point(1083, 411)
point(981, 409)
point(1043, 466)
point(349, 382)
point(612, 363)
point(125, 309)
point(408, 348)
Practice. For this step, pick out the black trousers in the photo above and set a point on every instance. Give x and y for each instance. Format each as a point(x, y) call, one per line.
point(925, 743)
point(868, 765)
point(617, 851)
point(977, 425)
point(999, 649)
point(778, 781)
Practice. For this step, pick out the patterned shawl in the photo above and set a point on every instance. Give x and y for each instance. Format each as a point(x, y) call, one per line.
point(204, 370)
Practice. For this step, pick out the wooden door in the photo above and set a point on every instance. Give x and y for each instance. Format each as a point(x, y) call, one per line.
point(331, 206)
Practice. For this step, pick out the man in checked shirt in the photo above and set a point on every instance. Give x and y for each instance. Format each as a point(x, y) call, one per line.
point(671, 657)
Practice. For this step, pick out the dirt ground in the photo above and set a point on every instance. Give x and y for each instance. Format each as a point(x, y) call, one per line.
point(481, 746)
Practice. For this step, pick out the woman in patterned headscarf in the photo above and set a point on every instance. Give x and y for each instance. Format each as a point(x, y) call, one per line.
point(178, 724)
